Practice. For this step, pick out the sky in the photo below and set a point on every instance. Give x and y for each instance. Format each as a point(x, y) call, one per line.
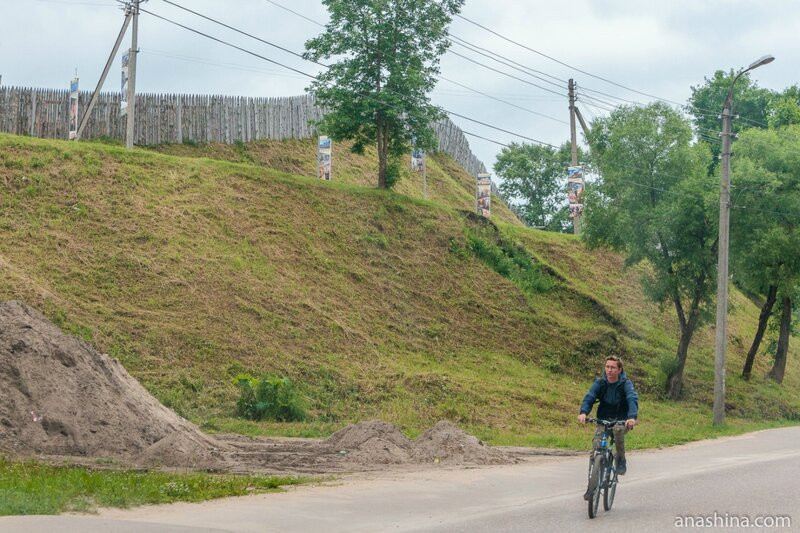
point(657, 48)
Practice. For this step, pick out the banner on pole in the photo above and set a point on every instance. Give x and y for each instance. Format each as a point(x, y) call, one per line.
point(483, 194)
point(123, 103)
point(73, 109)
point(575, 191)
point(324, 152)
point(417, 160)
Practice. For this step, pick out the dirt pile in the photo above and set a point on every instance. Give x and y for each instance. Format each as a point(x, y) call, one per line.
point(378, 442)
point(371, 442)
point(61, 397)
point(448, 444)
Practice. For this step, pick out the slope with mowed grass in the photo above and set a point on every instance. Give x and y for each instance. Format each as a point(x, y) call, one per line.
point(193, 267)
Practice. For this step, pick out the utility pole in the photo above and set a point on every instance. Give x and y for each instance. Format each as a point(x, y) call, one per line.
point(573, 135)
point(93, 100)
point(722, 259)
point(131, 130)
point(722, 264)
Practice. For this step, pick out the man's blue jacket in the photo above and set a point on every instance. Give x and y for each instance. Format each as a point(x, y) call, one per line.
point(618, 401)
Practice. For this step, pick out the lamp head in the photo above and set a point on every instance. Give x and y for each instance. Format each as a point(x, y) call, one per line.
point(761, 61)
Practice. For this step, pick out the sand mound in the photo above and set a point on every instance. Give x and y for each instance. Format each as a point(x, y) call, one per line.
point(448, 444)
point(378, 442)
point(371, 442)
point(62, 397)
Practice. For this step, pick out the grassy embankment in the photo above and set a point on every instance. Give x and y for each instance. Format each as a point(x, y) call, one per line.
point(379, 304)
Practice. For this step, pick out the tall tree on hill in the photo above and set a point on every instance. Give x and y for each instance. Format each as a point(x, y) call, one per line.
point(751, 103)
point(534, 183)
point(386, 59)
point(654, 202)
point(765, 230)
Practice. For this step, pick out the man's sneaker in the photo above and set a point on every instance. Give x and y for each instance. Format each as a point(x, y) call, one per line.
point(622, 466)
point(588, 494)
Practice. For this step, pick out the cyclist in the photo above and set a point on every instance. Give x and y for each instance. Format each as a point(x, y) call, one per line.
point(618, 401)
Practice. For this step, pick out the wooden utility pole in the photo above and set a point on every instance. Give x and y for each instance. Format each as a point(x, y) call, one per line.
point(100, 83)
point(573, 134)
point(131, 131)
point(722, 264)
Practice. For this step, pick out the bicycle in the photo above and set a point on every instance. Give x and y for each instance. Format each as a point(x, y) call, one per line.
point(602, 470)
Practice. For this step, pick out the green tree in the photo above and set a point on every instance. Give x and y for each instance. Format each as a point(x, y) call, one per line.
point(765, 230)
point(654, 202)
point(750, 105)
point(534, 183)
point(386, 60)
point(784, 109)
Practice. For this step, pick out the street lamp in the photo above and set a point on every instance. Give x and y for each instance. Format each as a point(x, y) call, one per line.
point(722, 264)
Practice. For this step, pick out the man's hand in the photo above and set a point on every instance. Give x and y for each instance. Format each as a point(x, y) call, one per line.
point(629, 423)
point(582, 418)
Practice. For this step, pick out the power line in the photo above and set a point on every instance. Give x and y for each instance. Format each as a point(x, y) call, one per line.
point(507, 74)
point(508, 63)
point(504, 101)
point(226, 43)
point(259, 39)
point(295, 13)
point(314, 77)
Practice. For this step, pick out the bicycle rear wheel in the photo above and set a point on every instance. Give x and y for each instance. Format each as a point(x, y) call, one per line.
point(595, 484)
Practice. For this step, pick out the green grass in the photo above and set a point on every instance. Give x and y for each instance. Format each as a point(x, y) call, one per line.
point(33, 488)
point(202, 262)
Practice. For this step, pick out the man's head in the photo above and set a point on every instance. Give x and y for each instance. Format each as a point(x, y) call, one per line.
point(613, 367)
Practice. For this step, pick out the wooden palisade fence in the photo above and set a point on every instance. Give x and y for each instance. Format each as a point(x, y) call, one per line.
point(177, 118)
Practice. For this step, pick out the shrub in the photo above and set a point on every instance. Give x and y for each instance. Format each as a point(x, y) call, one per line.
point(269, 398)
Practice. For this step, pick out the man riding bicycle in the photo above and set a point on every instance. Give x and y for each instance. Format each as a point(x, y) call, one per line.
point(618, 401)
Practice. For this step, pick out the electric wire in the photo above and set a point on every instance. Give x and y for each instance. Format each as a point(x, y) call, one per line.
point(504, 101)
point(295, 13)
point(521, 136)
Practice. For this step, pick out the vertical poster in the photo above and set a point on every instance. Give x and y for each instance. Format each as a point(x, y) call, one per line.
point(575, 191)
point(73, 109)
point(483, 194)
point(324, 158)
point(123, 103)
point(417, 160)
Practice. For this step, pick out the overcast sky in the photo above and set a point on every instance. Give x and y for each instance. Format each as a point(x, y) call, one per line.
point(659, 48)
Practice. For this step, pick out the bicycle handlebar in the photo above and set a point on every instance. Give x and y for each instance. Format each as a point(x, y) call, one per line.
point(607, 423)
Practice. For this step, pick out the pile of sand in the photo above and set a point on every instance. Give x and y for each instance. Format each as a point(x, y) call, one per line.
point(378, 442)
point(61, 397)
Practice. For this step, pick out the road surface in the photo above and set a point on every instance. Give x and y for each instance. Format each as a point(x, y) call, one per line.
point(722, 482)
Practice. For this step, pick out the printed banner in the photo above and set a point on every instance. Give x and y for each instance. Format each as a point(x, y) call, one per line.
point(575, 191)
point(417, 160)
point(324, 152)
point(483, 194)
point(123, 103)
point(73, 109)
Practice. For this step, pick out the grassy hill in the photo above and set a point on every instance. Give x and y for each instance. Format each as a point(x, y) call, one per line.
point(196, 264)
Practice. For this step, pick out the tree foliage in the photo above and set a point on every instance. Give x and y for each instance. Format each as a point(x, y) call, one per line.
point(534, 183)
point(750, 105)
point(386, 56)
point(655, 202)
point(765, 227)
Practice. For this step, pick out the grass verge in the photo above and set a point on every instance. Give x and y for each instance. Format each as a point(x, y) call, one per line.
point(30, 487)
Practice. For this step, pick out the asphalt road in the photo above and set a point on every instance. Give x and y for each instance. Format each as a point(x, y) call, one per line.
point(720, 483)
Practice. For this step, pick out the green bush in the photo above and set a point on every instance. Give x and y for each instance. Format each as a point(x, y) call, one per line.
point(269, 398)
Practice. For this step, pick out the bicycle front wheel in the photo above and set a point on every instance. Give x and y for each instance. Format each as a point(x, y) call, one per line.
point(610, 491)
point(595, 484)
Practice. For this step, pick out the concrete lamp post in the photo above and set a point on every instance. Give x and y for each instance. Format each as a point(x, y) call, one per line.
point(722, 264)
